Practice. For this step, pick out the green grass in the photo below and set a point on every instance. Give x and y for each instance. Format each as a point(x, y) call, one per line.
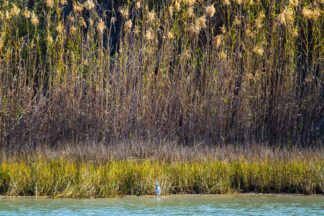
point(63, 178)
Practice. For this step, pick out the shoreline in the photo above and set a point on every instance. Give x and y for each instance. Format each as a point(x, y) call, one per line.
point(166, 196)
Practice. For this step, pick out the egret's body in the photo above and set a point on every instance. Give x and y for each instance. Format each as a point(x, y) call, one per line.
point(157, 189)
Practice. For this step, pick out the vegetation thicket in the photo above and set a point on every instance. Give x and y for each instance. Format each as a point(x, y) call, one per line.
point(194, 91)
point(61, 178)
point(219, 72)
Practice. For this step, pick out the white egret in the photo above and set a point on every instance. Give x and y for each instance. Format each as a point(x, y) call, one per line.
point(157, 188)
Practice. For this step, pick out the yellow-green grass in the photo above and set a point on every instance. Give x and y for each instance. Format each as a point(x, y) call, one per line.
point(63, 178)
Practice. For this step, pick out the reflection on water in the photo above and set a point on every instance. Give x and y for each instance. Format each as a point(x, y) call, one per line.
point(170, 205)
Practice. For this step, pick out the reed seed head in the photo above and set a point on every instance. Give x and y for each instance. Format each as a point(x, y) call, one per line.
point(151, 16)
point(136, 30)
point(63, 2)
point(200, 22)
point(170, 36)
point(77, 7)
point(239, 2)
point(137, 5)
point(59, 28)
point(226, 2)
point(128, 25)
point(34, 19)
point(14, 11)
point(258, 50)
point(124, 12)
point(293, 3)
point(26, 13)
point(73, 30)
point(177, 6)
point(190, 12)
point(222, 55)
point(237, 21)
point(189, 2)
point(170, 9)
point(101, 26)
point(186, 55)
point(210, 11)
point(89, 5)
point(113, 20)
point(49, 39)
point(223, 29)
point(218, 41)
point(49, 3)
point(312, 14)
point(149, 35)
point(82, 22)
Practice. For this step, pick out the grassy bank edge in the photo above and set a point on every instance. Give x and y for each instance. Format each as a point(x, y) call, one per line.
point(60, 178)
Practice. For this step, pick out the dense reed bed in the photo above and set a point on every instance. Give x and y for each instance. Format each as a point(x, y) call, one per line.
point(218, 72)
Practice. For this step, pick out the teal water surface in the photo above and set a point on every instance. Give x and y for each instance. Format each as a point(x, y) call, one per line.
point(169, 205)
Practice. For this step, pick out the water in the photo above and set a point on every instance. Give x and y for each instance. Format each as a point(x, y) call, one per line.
point(170, 205)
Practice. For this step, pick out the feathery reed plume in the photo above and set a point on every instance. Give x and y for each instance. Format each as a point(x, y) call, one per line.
point(177, 6)
point(287, 17)
point(34, 19)
point(186, 54)
point(239, 2)
point(26, 13)
point(113, 20)
point(249, 33)
point(63, 2)
point(59, 28)
point(309, 13)
point(189, 2)
point(258, 50)
point(136, 30)
point(293, 3)
point(49, 3)
point(138, 5)
point(226, 2)
point(124, 11)
point(82, 22)
point(128, 25)
point(170, 10)
point(149, 35)
point(223, 29)
point(259, 20)
point(151, 16)
point(101, 26)
point(49, 39)
point(170, 36)
point(210, 11)
point(222, 55)
point(190, 12)
point(218, 41)
point(237, 21)
point(73, 30)
point(200, 22)
point(77, 7)
point(14, 11)
point(89, 5)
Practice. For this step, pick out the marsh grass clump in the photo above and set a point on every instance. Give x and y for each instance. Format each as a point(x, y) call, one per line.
point(61, 178)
